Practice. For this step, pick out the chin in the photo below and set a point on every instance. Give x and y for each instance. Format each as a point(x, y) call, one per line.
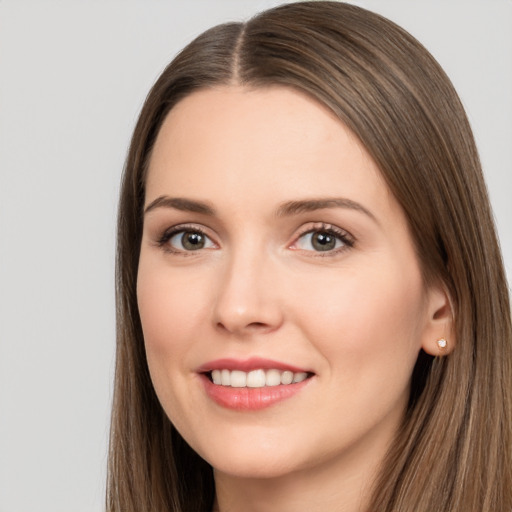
point(253, 469)
point(258, 462)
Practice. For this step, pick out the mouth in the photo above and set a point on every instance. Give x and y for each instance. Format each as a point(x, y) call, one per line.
point(252, 384)
point(258, 378)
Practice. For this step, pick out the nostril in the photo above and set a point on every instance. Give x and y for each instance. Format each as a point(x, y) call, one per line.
point(252, 326)
point(257, 325)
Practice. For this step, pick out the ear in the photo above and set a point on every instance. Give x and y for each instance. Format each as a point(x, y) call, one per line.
point(438, 337)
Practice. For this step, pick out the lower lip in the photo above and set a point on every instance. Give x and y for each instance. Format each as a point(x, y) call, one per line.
point(250, 399)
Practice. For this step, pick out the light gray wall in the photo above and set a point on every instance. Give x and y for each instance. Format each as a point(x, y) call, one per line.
point(73, 76)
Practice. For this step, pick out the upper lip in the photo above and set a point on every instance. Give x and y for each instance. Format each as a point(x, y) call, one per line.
point(247, 365)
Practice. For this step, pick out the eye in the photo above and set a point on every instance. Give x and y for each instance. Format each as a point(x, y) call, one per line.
point(324, 239)
point(319, 241)
point(186, 240)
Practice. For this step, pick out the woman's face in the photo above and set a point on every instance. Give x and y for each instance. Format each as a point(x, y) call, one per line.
point(273, 252)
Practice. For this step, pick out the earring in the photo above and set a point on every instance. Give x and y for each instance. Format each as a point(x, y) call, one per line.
point(442, 343)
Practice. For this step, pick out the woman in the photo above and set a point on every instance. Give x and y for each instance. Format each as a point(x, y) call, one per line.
point(312, 308)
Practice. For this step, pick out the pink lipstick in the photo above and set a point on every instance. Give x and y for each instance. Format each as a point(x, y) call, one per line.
point(251, 384)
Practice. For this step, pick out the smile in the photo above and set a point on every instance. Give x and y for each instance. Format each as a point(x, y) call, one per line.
point(252, 384)
point(258, 378)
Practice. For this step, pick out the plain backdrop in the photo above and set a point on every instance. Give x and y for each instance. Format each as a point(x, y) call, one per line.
point(73, 76)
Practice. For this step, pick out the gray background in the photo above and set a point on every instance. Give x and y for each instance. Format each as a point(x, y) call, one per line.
point(73, 76)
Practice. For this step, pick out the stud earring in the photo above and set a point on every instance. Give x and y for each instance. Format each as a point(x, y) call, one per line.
point(442, 343)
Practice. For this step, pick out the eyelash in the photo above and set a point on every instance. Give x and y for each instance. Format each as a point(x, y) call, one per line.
point(347, 240)
point(168, 234)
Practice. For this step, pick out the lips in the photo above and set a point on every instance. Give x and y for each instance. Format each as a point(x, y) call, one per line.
point(251, 384)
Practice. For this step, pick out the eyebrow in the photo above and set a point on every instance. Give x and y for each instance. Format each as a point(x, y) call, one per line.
point(310, 205)
point(180, 203)
point(285, 209)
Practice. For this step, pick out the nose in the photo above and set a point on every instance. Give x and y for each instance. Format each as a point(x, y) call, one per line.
point(247, 300)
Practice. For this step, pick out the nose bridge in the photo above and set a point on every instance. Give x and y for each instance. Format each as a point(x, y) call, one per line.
point(246, 301)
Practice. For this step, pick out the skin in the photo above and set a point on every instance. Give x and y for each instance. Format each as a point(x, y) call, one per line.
point(356, 316)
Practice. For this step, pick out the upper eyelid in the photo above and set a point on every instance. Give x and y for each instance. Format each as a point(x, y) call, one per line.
point(186, 226)
point(171, 231)
point(322, 226)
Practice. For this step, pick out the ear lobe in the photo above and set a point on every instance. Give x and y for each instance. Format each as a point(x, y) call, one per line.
point(439, 334)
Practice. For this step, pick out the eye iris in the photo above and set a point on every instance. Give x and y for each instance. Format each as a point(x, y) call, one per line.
point(323, 241)
point(192, 241)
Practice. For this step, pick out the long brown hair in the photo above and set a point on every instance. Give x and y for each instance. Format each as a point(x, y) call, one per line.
point(453, 452)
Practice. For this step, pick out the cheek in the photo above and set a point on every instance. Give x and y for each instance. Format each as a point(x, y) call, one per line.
point(170, 311)
point(368, 323)
point(172, 319)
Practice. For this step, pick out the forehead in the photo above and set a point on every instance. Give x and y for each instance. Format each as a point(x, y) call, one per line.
point(230, 142)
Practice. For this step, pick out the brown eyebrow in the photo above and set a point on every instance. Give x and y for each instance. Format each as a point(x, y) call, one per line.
point(309, 205)
point(286, 209)
point(180, 203)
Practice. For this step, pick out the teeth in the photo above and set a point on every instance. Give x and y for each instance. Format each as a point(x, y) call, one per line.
point(225, 378)
point(273, 378)
point(299, 377)
point(238, 379)
point(287, 377)
point(256, 378)
point(217, 377)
